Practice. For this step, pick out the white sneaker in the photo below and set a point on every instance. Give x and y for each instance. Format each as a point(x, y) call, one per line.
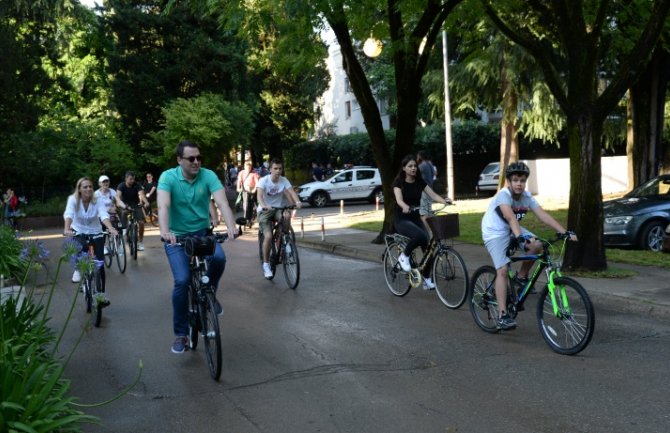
point(404, 262)
point(140, 246)
point(428, 284)
point(76, 277)
point(267, 272)
point(106, 251)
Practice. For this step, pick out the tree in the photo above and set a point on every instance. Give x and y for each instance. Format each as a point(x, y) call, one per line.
point(570, 42)
point(215, 124)
point(158, 57)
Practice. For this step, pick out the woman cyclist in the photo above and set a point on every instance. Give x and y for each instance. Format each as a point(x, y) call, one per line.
point(407, 188)
point(83, 214)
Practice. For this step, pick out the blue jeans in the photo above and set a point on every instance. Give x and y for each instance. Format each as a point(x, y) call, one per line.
point(181, 272)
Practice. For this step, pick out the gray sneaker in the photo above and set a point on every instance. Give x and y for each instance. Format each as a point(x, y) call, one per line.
point(506, 323)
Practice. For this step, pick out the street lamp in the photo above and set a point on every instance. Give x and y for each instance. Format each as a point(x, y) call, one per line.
point(372, 47)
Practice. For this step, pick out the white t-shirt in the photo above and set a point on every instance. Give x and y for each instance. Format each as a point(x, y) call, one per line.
point(107, 199)
point(85, 221)
point(273, 193)
point(493, 223)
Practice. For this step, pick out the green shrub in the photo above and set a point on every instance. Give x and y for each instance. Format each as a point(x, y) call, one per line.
point(10, 250)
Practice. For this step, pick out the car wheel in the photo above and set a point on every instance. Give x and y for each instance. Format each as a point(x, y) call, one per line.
point(377, 194)
point(652, 236)
point(319, 199)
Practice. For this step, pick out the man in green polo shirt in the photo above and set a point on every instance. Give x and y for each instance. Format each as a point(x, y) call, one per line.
point(183, 196)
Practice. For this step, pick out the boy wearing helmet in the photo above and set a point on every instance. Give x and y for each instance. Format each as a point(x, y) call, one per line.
point(501, 226)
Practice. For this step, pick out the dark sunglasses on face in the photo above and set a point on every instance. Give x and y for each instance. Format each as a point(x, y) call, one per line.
point(193, 158)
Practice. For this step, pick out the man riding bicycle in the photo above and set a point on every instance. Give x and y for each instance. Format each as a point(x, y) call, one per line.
point(271, 191)
point(184, 210)
point(130, 193)
point(500, 227)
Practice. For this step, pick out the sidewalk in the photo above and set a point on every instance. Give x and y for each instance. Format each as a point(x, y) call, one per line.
point(648, 292)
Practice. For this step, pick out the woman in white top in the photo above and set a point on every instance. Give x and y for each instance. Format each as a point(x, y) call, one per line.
point(83, 214)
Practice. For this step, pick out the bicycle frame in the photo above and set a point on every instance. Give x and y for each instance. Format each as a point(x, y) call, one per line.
point(544, 263)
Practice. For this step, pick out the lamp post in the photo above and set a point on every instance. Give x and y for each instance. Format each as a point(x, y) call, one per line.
point(447, 120)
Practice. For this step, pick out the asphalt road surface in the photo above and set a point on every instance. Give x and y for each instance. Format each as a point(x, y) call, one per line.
point(341, 354)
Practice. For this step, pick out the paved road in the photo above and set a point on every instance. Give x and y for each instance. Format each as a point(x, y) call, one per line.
point(341, 354)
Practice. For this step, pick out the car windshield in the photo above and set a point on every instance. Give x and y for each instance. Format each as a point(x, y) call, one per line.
point(491, 168)
point(654, 187)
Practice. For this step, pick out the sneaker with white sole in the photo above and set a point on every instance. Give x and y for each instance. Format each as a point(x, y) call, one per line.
point(76, 277)
point(428, 284)
point(404, 262)
point(267, 271)
point(106, 251)
point(180, 344)
point(140, 246)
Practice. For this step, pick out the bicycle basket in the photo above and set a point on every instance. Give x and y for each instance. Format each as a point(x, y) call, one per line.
point(199, 246)
point(444, 226)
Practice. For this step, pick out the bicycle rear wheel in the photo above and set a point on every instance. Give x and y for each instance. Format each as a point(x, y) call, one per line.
point(96, 308)
point(120, 250)
point(483, 304)
point(570, 329)
point(291, 262)
point(396, 280)
point(261, 237)
point(211, 335)
point(109, 245)
point(450, 277)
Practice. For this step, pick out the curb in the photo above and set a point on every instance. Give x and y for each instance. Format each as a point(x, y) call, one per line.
point(620, 304)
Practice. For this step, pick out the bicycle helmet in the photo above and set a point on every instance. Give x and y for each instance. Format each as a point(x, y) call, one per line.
point(517, 168)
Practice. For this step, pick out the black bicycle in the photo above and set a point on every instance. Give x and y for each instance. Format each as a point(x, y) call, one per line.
point(449, 272)
point(133, 215)
point(116, 247)
point(91, 281)
point(283, 248)
point(202, 317)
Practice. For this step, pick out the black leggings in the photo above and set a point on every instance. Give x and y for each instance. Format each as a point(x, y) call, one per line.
point(99, 251)
point(418, 237)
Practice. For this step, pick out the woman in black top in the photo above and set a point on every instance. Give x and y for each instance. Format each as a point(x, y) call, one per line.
point(407, 188)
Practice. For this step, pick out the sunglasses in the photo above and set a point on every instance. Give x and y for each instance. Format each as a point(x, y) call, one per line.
point(193, 158)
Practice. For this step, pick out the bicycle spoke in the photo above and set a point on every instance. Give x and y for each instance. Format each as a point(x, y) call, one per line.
point(291, 263)
point(397, 281)
point(211, 335)
point(483, 305)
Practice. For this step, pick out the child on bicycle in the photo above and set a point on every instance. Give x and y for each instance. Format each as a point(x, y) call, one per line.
point(407, 189)
point(271, 191)
point(501, 228)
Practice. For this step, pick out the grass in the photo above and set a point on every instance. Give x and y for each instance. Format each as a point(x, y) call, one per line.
point(470, 229)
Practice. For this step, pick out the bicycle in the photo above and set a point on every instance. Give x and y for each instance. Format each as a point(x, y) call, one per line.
point(134, 213)
point(202, 317)
point(283, 248)
point(565, 312)
point(91, 281)
point(116, 247)
point(150, 215)
point(449, 272)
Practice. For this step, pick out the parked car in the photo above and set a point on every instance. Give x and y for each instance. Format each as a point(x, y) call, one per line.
point(488, 178)
point(639, 218)
point(666, 240)
point(357, 183)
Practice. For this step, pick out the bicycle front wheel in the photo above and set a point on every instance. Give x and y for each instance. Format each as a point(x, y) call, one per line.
point(109, 246)
point(451, 278)
point(193, 317)
point(120, 250)
point(87, 287)
point(568, 330)
point(133, 240)
point(396, 280)
point(483, 304)
point(96, 310)
point(211, 335)
point(291, 262)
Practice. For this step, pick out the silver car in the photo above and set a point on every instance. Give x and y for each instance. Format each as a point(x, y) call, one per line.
point(488, 178)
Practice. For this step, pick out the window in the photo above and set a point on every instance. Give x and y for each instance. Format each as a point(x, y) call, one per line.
point(344, 177)
point(347, 109)
point(347, 86)
point(353, 130)
point(365, 174)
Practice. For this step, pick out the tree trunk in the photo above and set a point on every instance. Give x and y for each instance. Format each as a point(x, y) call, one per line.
point(509, 146)
point(645, 150)
point(585, 215)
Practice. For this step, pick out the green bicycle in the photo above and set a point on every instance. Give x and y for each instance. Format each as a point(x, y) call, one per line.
point(565, 313)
